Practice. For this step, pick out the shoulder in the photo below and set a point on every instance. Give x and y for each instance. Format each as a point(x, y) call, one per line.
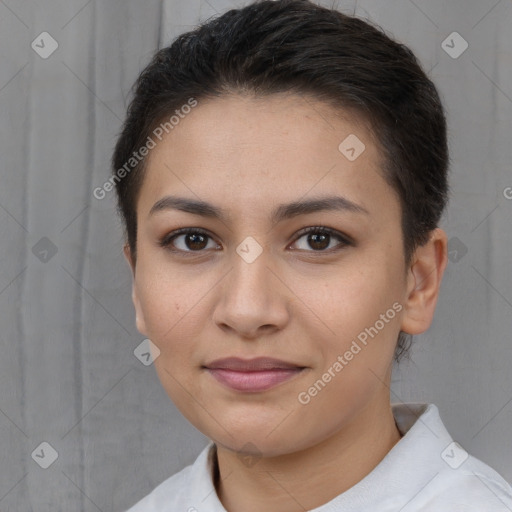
point(182, 490)
point(471, 487)
point(170, 493)
point(433, 473)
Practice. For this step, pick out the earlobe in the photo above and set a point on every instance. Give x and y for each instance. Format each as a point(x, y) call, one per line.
point(424, 282)
point(139, 316)
point(140, 323)
point(128, 257)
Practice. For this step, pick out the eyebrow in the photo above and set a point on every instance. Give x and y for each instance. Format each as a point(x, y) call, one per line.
point(280, 213)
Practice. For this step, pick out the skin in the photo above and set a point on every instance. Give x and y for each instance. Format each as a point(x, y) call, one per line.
point(294, 303)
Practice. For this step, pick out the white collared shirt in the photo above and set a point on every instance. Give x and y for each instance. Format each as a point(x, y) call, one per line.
point(424, 472)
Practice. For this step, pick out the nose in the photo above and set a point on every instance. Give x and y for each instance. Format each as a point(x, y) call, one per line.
point(252, 299)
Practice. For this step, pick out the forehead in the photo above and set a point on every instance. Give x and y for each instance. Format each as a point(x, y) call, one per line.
point(239, 149)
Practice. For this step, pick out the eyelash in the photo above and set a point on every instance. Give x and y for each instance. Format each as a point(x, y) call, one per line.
point(167, 240)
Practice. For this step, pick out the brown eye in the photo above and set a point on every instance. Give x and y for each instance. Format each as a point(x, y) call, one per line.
point(195, 241)
point(188, 240)
point(320, 239)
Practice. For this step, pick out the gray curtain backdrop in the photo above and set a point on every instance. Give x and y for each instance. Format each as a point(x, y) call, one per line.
point(68, 374)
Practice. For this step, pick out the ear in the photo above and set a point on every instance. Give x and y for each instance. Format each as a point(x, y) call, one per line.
point(139, 315)
point(424, 282)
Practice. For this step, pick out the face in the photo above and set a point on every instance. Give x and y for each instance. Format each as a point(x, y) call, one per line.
point(259, 323)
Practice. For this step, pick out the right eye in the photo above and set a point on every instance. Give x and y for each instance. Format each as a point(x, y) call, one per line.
point(187, 240)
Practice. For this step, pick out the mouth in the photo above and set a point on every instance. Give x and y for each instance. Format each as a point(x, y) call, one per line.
point(252, 375)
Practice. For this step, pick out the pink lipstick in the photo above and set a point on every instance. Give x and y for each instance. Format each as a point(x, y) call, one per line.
point(252, 375)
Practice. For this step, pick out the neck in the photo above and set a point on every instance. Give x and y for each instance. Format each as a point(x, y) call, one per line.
point(312, 477)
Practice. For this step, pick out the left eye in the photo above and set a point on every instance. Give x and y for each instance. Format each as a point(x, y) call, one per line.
point(319, 239)
point(193, 240)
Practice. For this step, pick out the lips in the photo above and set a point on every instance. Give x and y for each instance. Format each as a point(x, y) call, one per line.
point(252, 375)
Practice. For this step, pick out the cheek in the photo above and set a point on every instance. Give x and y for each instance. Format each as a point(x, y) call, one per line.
point(348, 296)
point(176, 312)
point(349, 306)
point(166, 296)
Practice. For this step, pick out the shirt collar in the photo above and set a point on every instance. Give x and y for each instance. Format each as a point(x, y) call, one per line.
point(398, 477)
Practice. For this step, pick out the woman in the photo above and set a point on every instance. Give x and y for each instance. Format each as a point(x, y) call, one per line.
point(281, 175)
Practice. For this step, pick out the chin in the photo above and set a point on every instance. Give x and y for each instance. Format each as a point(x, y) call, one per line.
point(255, 437)
point(255, 446)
